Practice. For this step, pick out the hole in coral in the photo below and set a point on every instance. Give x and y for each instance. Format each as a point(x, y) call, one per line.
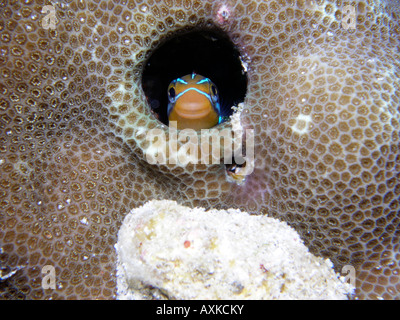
point(237, 170)
point(207, 52)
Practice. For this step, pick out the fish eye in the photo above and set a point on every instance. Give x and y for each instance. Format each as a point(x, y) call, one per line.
point(171, 93)
point(214, 90)
point(214, 93)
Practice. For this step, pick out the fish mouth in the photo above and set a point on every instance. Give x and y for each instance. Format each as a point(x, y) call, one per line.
point(192, 113)
point(193, 105)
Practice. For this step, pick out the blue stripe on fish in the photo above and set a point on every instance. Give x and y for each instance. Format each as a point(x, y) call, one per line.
point(181, 81)
point(203, 80)
point(199, 91)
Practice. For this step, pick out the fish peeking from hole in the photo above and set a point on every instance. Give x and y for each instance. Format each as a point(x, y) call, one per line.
point(193, 102)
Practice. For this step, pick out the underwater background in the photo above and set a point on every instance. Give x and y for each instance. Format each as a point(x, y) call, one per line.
point(82, 82)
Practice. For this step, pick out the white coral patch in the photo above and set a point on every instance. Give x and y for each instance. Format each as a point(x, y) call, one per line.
point(302, 124)
point(169, 251)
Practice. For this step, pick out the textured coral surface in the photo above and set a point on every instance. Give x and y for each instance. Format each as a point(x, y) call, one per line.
point(323, 101)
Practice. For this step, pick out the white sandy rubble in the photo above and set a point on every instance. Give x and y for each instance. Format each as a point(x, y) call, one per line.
point(169, 251)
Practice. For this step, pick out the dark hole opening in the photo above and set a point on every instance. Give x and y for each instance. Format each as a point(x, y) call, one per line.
point(207, 52)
